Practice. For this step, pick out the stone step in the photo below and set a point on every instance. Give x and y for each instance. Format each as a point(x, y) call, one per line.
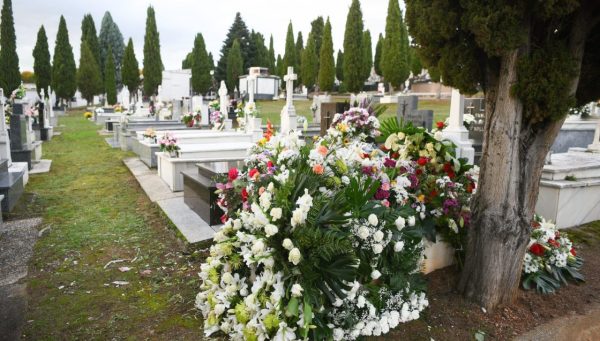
point(214, 150)
point(213, 138)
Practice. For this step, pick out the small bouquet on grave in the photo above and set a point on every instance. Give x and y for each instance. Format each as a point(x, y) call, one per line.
point(550, 260)
point(168, 143)
point(18, 93)
point(303, 122)
point(217, 119)
point(188, 119)
point(118, 108)
point(198, 117)
point(251, 110)
point(214, 105)
point(150, 135)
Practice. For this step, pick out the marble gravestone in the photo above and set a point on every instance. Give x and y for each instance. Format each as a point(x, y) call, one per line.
point(11, 182)
point(289, 120)
point(421, 118)
point(406, 105)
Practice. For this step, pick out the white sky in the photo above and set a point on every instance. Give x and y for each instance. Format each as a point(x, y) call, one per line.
point(179, 20)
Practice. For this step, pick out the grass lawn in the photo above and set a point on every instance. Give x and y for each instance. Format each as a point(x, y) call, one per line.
point(271, 109)
point(96, 213)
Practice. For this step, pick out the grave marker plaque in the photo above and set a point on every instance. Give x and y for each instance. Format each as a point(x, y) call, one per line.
point(421, 118)
point(406, 105)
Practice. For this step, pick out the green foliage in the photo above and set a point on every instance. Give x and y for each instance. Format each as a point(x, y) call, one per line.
point(130, 71)
point(187, 62)
point(367, 54)
point(239, 31)
point(272, 63)
point(110, 81)
point(89, 38)
point(110, 36)
point(10, 76)
point(378, 55)
point(394, 60)
point(201, 79)
point(89, 79)
point(339, 66)
point(235, 66)
point(327, 64)
point(260, 50)
point(353, 49)
point(41, 62)
point(415, 62)
point(299, 51)
point(552, 277)
point(317, 31)
point(211, 61)
point(289, 57)
point(310, 62)
point(280, 67)
point(153, 66)
point(64, 72)
point(88, 34)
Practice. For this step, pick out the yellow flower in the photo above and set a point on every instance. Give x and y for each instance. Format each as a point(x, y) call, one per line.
point(421, 198)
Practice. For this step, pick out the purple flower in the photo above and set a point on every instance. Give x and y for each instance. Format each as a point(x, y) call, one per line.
point(381, 194)
point(389, 163)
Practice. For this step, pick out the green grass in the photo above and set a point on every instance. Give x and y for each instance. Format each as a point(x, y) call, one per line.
point(97, 212)
point(272, 109)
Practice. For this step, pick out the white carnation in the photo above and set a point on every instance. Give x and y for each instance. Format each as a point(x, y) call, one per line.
point(276, 213)
point(399, 246)
point(400, 223)
point(297, 290)
point(377, 248)
point(258, 247)
point(378, 236)
point(411, 221)
point(375, 274)
point(363, 232)
point(271, 230)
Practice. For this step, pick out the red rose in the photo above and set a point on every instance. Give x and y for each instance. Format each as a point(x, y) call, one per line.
point(224, 218)
point(419, 172)
point(535, 224)
point(573, 252)
point(233, 174)
point(244, 194)
point(253, 172)
point(537, 249)
point(422, 161)
point(553, 243)
point(440, 125)
point(395, 155)
point(270, 164)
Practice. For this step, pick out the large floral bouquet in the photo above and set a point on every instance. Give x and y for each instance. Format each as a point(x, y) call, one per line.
point(551, 260)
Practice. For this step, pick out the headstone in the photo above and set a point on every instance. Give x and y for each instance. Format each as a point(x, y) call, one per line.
point(251, 88)
point(20, 136)
point(125, 101)
point(177, 109)
point(456, 131)
point(406, 105)
point(421, 118)
point(328, 111)
point(289, 121)
point(381, 88)
point(316, 106)
point(4, 138)
point(223, 98)
point(197, 103)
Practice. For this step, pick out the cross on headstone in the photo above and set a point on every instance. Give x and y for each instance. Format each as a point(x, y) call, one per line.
point(289, 121)
point(289, 86)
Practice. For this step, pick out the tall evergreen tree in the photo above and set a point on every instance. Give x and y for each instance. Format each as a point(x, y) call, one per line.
point(10, 76)
point(378, 55)
point(261, 56)
point(187, 62)
point(130, 71)
point(211, 61)
point(289, 58)
point(339, 66)
point(353, 49)
point(41, 62)
point(110, 36)
point(64, 70)
point(299, 50)
point(316, 29)
point(327, 66)
point(280, 67)
point(235, 66)
point(394, 61)
point(153, 66)
point(89, 79)
point(272, 62)
point(415, 62)
point(310, 62)
point(201, 79)
point(89, 35)
point(239, 31)
point(110, 81)
point(368, 54)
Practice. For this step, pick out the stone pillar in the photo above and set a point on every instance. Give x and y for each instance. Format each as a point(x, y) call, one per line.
point(289, 121)
point(456, 131)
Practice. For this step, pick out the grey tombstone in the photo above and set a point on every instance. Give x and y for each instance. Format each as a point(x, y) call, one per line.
point(406, 105)
point(421, 118)
point(177, 109)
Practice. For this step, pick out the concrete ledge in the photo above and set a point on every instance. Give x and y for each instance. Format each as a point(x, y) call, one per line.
point(43, 166)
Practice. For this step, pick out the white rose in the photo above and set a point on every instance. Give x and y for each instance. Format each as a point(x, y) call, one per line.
point(270, 187)
point(338, 334)
point(378, 236)
point(399, 246)
point(287, 244)
point(258, 247)
point(438, 135)
point(422, 215)
point(295, 256)
point(375, 274)
point(237, 224)
point(411, 221)
point(363, 232)
point(297, 290)
point(219, 309)
point(271, 230)
point(276, 213)
point(227, 278)
point(400, 223)
point(361, 301)
point(377, 248)
point(373, 220)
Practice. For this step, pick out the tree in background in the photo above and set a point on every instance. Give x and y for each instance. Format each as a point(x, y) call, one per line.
point(110, 36)
point(310, 62)
point(260, 53)
point(187, 62)
point(110, 80)
point(378, 55)
point(327, 66)
point(534, 61)
point(153, 66)
point(41, 62)
point(394, 61)
point(415, 62)
point(10, 76)
point(130, 72)
point(272, 61)
point(235, 66)
point(317, 27)
point(289, 58)
point(90, 41)
point(211, 61)
point(239, 31)
point(367, 55)
point(339, 66)
point(89, 35)
point(201, 79)
point(64, 70)
point(280, 66)
point(299, 50)
point(89, 80)
point(28, 77)
point(353, 49)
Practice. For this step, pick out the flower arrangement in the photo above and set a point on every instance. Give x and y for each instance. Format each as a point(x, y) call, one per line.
point(168, 143)
point(188, 119)
point(150, 134)
point(88, 115)
point(214, 105)
point(18, 93)
point(303, 122)
point(550, 260)
point(217, 119)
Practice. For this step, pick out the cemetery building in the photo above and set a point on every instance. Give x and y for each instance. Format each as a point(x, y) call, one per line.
point(176, 84)
point(266, 86)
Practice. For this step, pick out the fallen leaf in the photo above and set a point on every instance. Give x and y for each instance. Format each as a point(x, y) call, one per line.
point(124, 268)
point(120, 282)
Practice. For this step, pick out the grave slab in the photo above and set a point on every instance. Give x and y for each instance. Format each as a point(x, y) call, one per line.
point(43, 166)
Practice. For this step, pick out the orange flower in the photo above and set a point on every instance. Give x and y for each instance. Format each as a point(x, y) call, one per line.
point(318, 169)
point(322, 150)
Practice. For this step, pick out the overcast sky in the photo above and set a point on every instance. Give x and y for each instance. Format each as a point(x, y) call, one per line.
point(179, 20)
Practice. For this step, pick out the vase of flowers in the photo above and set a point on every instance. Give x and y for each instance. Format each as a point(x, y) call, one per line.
point(217, 119)
point(168, 144)
point(149, 135)
point(188, 119)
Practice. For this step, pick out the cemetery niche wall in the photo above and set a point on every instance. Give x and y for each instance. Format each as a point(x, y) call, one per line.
point(265, 87)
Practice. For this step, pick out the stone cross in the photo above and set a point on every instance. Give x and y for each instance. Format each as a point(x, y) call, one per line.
point(595, 147)
point(457, 109)
point(251, 88)
point(456, 131)
point(289, 86)
point(289, 121)
point(223, 99)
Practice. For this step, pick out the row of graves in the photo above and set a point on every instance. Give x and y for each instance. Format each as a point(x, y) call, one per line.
point(25, 123)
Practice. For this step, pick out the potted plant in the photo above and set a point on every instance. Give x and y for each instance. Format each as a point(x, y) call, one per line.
point(188, 119)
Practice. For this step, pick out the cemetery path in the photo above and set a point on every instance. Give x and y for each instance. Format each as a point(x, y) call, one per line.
point(108, 266)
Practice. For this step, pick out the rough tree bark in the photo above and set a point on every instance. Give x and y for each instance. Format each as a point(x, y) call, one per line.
point(513, 157)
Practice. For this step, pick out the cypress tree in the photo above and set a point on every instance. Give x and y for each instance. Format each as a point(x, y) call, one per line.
point(10, 76)
point(261, 57)
point(368, 54)
point(110, 36)
point(187, 62)
point(394, 61)
point(211, 61)
point(235, 66)
point(280, 67)
point(327, 66)
point(88, 34)
point(378, 54)
point(353, 50)
point(339, 66)
point(152, 61)
point(310, 62)
point(41, 62)
point(64, 70)
point(239, 31)
point(272, 62)
point(89, 79)
point(299, 50)
point(317, 27)
point(201, 80)
point(130, 72)
point(415, 62)
point(110, 82)
point(289, 58)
